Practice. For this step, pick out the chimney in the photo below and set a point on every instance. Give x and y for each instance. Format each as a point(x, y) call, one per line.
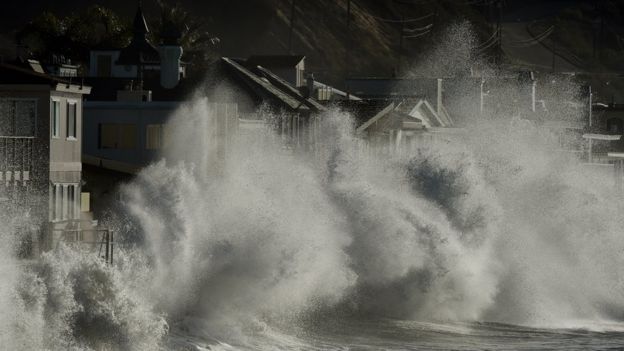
point(170, 53)
point(310, 84)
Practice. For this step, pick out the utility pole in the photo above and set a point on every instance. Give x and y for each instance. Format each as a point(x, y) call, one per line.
point(594, 30)
point(292, 25)
point(590, 103)
point(348, 49)
point(554, 50)
point(601, 39)
point(401, 42)
point(499, 32)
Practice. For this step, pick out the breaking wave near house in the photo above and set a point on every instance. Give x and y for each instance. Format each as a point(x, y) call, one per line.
point(258, 237)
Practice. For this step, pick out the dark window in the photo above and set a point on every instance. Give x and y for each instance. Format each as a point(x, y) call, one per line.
point(614, 125)
point(104, 64)
point(71, 120)
point(17, 117)
point(117, 136)
point(56, 119)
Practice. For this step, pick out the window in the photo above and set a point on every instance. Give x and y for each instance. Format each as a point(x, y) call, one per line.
point(71, 120)
point(154, 136)
point(56, 119)
point(614, 125)
point(17, 117)
point(104, 65)
point(117, 136)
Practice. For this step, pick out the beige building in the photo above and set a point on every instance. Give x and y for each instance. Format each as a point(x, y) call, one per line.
point(40, 154)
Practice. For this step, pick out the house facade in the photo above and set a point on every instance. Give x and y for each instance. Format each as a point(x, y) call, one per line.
point(40, 152)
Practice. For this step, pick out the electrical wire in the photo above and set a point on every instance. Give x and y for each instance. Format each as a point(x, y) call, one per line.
point(409, 20)
point(416, 35)
point(487, 42)
point(418, 29)
point(533, 41)
point(494, 42)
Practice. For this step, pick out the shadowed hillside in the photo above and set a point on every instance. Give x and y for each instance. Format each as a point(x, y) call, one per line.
point(586, 36)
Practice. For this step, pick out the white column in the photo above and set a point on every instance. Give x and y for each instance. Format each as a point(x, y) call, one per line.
point(77, 204)
point(59, 202)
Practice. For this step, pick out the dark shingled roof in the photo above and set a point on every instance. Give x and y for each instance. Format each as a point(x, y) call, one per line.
point(289, 89)
point(10, 74)
point(272, 61)
point(140, 50)
point(263, 87)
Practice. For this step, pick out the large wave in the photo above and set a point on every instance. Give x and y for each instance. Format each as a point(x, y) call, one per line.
point(497, 229)
point(495, 225)
point(481, 229)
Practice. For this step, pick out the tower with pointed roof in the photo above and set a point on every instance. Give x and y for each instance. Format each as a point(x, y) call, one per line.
point(140, 52)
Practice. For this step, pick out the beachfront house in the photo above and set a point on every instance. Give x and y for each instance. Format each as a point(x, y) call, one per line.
point(40, 151)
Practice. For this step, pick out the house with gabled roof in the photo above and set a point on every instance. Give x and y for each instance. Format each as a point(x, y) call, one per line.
point(400, 122)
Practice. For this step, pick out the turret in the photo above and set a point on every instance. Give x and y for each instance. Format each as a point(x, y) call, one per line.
point(170, 54)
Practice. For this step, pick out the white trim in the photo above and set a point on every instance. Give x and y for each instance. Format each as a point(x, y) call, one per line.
point(609, 137)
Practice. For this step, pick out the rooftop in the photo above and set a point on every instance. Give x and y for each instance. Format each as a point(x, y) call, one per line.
point(140, 50)
point(273, 61)
point(10, 74)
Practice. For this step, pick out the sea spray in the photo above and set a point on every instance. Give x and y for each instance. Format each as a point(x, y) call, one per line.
point(496, 225)
point(69, 299)
point(410, 259)
point(439, 234)
point(21, 324)
point(260, 240)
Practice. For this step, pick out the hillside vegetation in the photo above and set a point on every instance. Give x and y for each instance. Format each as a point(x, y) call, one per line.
point(584, 35)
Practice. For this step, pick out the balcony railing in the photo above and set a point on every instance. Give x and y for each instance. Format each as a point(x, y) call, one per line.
point(86, 235)
point(16, 159)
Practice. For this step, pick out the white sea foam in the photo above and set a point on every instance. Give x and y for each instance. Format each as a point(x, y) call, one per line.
point(495, 226)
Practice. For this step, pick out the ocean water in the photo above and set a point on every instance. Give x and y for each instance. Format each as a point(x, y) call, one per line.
point(384, 334)
point(493, 240)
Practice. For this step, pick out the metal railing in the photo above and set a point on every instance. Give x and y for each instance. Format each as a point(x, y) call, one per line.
point(102, 239)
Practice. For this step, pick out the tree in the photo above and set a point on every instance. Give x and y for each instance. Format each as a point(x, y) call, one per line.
point(73, 36)
point(198, 43)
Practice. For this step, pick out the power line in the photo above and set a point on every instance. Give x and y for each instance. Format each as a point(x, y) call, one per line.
point(416, 35)
point(408, 20)
point(488, 45)
point(489, 40)
point(292, 26)
point(480, 2)
point(533, 41)
point(418, 29)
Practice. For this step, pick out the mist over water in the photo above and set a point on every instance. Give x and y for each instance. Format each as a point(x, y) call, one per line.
point(493, 227)
point(259, 248)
